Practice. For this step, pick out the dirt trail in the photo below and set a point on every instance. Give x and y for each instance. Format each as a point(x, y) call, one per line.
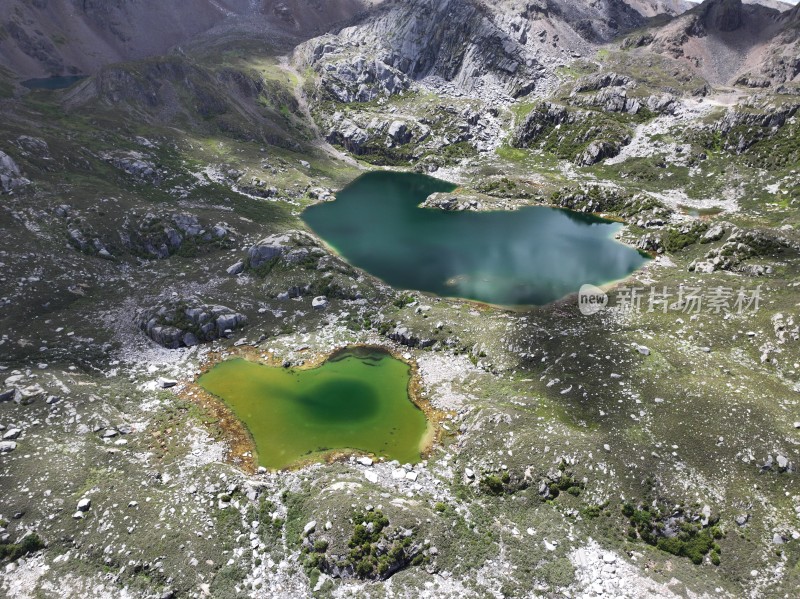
point(319, 140)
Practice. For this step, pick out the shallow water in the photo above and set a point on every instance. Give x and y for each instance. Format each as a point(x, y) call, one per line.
point(358, 400)
point(530, 256)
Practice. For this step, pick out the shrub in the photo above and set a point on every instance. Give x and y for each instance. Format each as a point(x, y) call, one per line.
point(29, 544)
point(692, 540)
point(492, 484)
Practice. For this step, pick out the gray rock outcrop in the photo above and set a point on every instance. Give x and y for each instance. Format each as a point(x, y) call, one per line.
point(740, 246)
point(187, 324)
point(292, 247)
point(160, 236)
point(452, 40)
point(598, 150)
point(10, 176)
point(134, 164)
point(451, 203)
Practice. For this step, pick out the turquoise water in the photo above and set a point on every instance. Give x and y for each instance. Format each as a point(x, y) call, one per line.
point(530, 256)
point(52, 83)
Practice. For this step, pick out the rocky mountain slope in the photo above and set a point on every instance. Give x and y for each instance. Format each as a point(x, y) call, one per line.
point(652, 8)
point(729, 42)
point(774, 4)
point(479, 47)
point(57, 37)
point(150, 226)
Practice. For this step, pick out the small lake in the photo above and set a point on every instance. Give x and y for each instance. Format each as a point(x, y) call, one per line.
point(356, 400)
point(53, 82)
point(530, 256)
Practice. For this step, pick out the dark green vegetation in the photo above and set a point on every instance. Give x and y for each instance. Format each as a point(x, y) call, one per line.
point(676, 531)
point(357, 400)
point(576, 134)
point(30, 543)
point(530, 256)
point(375, 550)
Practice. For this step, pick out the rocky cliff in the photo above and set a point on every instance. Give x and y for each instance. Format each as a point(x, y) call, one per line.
point(453, 40)
point(489, 49)
point(730, 42)
point(652, 8)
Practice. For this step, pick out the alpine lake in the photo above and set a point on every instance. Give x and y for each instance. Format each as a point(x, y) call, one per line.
point(526, 257)
point(53, 83)
point(358, 399)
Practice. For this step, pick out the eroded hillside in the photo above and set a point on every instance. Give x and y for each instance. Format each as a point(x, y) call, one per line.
point(151, 220)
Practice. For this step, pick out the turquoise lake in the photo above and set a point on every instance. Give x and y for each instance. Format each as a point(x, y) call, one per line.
point(531, 256)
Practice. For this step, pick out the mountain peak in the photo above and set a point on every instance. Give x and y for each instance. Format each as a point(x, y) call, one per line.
point(721, 15)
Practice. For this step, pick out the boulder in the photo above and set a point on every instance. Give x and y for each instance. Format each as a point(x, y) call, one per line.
point(293, 247)
point(403, 336)
point(596, 82)
point(714, 233)
point(9, 395)
point(229, 322)
point(348, 135)
point(596, 151)
point(451, 203)
point(11, 434)
point(188, 223)
point(235, 269)
point(399, 132)
point(180, 325)
point(133, 163)
point(309, 528)
point(7, 446)
point(10, 176)
point(161, 235)
point(320, 302)
point(663, 104)
point(34, 145)
point(268, 249)
point(167, 336)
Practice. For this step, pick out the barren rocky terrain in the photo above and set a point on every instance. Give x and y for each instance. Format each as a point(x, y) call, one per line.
point(150, 218)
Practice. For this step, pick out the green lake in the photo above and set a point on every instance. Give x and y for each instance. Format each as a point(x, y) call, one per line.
point(530, 256)
point(356, 400)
